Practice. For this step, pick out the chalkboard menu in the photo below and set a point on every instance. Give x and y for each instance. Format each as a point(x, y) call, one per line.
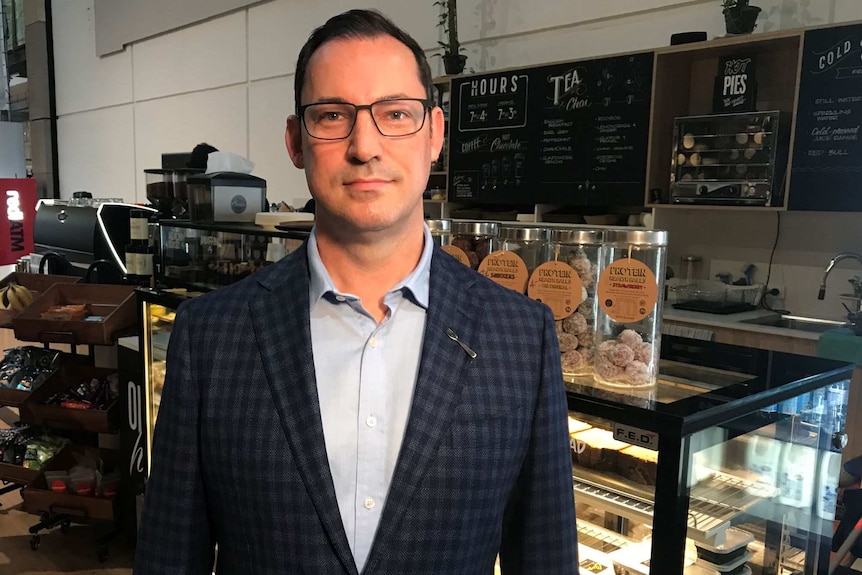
point(827, 151)
point(573, 133)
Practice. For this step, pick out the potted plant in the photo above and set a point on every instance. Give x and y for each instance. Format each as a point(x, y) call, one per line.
point(739, 16)
point(453, 60)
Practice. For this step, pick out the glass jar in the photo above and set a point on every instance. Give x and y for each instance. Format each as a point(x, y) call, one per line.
point(523, 249)
point(529, 243)
point(472, 242)
point(569, 280)
point(441, 231)
point(628, 318)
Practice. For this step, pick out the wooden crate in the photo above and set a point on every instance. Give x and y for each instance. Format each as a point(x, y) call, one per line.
point(36, 283)
point(114, 304)
point(35, 411)
point(38, 497)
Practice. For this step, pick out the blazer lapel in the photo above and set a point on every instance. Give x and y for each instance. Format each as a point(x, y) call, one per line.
point(437, 391)
point(283, 332)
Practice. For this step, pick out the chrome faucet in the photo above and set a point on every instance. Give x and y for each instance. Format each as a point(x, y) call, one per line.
point(832, 262)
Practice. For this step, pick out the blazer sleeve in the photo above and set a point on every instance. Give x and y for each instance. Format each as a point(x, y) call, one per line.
point(175, 535)
point(539, 533)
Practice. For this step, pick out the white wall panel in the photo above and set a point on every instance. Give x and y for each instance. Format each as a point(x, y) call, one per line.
point(270, 103)
point(277, 30)
point(483, 18)
point(632, 33)
point(83, 81)
point(209, 55)
point(179, 123)
point(96, 153)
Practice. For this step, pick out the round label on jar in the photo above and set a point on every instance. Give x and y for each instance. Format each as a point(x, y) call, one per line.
point(558, 286)
point(627, 291)
point(458, 254)
point(506, 269)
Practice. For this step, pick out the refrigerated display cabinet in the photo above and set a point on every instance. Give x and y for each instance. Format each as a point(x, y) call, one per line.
point(191, 259)
point(728, 465)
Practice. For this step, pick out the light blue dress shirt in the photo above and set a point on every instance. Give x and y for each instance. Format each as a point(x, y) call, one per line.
point(366, 373)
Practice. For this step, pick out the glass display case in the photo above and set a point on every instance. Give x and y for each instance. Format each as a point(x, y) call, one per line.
point(208, 256)
point(730, 159)
point(728, 465)
point(193, 258)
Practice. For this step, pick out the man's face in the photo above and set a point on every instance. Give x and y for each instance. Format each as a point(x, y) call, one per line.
point(367, 181)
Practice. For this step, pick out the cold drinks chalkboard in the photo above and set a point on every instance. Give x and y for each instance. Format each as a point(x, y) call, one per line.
point(827, 149)
point(573, 133)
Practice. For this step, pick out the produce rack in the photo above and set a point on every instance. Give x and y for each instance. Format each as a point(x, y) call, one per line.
point(115, 306)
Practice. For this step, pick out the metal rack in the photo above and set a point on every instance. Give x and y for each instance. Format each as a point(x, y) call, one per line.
point(713, 505)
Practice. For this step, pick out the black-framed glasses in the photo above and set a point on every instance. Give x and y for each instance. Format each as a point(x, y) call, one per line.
point(393, 118)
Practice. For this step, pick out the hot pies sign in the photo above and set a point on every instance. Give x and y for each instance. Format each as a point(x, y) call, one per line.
point(16, 219)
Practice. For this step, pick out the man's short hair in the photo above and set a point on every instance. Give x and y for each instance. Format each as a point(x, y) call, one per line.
point(359, 24)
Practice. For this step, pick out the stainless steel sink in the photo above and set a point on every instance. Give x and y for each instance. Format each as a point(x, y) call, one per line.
point(811, 324)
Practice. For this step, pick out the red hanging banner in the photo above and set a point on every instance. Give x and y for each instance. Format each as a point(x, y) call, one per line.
point(17, 214)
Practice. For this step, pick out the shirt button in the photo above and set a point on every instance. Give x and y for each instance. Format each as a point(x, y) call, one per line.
point(371, 421)
point(373, 342)
point(369, 503)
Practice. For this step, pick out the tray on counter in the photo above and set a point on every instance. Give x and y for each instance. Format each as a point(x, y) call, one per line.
point(36, 411)
point(17, 473)
point(114, 304)
point(36, 283)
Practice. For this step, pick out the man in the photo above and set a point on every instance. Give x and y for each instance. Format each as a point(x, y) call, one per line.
point(368, 404)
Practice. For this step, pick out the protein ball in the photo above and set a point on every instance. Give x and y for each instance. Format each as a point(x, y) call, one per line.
point(586, 307)
point(463, 244)
point(643, 352)
point(608, 370)
point(586, 340)
point(483, 248)
point(630, 338)
point(571, 360)
point(588, 354)
point(558, 326)
point(474, 260)
point(575, 324)
point(568, 342)
point(621, 355)
point(637, 373)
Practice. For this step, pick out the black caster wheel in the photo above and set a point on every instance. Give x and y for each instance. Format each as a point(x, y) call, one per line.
point(65, 526)
point(102, 554)
point(35, 541)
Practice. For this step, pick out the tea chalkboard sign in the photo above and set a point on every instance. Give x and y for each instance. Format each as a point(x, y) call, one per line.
point(571, 133)
point(827, 149)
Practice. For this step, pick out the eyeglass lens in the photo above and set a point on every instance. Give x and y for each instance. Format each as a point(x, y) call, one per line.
point(335, 120)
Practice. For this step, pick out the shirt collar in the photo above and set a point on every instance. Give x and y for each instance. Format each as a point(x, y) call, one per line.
point(417, 284)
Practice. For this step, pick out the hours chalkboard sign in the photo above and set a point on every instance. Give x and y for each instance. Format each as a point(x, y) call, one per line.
point(827, 149)
point(571, 133)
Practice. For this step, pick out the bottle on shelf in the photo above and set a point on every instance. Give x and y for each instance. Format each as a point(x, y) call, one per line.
point(139, 255)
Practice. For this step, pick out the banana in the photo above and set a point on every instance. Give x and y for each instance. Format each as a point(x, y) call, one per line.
point(15, 296)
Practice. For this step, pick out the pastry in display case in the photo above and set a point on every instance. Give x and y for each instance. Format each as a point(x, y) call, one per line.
point(728, 465)
point(730, 159)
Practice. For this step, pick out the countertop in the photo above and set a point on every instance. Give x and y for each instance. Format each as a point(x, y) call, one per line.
point(734, 321)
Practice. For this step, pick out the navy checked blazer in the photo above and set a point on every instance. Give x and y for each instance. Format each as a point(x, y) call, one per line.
point(240, 460)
